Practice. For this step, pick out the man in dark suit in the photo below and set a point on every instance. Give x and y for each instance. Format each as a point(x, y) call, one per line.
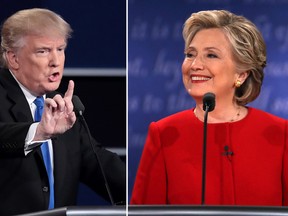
point(33, 50)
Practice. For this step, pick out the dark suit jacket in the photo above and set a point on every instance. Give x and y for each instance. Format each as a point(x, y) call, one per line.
point(23, 179)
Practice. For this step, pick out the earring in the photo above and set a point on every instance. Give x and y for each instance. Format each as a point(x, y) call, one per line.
point(238, 83)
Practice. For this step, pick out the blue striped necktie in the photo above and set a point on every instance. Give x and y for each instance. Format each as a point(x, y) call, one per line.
point(39, 102)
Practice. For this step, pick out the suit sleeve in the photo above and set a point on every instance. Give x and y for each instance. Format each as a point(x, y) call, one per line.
point(150, 185)
point(12, 138)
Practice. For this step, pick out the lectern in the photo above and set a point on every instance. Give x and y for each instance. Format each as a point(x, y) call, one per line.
point(82, 211)
point(167, 210)
point(206, 211)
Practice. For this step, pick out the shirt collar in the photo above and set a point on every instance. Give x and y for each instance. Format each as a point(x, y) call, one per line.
point(28, 95)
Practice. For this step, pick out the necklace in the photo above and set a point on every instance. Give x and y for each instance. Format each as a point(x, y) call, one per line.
point(234, 118)
point(237, 115)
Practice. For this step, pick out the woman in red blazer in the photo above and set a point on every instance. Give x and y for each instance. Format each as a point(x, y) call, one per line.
point(247, 158)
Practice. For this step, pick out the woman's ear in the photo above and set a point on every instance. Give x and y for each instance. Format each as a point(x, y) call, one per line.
point(240, 78)
point(243, 76)
point(12, 60)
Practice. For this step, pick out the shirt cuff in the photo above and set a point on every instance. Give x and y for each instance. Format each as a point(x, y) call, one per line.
point(29, 144)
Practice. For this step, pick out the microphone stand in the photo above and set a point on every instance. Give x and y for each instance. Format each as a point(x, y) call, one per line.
point(208, 106)
point(204, 156)
point(79, 109)
point(98, 159)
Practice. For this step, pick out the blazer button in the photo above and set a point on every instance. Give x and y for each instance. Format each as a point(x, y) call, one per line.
point(45, 189)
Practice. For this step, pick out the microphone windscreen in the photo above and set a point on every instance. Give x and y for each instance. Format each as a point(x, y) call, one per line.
point(78, 105)
point(209, 101)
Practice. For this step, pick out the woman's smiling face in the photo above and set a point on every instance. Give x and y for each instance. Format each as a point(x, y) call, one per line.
point(209, 66)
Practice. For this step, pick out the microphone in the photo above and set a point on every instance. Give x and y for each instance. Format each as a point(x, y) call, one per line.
point(78, 105)
point(209, 102)
point(79, 110)
point(208, 106)
point(228, 153)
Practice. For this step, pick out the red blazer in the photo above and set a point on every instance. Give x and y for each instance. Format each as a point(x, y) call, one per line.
point(170, 170)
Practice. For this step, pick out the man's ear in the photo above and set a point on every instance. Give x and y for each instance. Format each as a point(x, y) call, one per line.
point(12, 59)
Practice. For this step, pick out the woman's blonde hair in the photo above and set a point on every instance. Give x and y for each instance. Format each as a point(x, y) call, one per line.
point(248, 46)
point(35, 21)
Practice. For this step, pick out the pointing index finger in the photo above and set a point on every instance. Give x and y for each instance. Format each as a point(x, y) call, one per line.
point(70, 90)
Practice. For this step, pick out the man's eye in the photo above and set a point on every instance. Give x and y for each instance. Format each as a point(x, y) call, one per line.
point(42, 51)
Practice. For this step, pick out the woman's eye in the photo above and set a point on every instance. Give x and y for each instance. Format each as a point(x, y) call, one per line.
point(189, 55)
point(212, 55)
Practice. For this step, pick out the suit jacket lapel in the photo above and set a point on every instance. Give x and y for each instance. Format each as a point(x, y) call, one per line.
point(20, 109)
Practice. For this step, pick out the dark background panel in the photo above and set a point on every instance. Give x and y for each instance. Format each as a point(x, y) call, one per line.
point(99, 29)
point(104, 99)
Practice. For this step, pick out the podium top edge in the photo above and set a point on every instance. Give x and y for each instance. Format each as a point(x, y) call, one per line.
point(160, 210)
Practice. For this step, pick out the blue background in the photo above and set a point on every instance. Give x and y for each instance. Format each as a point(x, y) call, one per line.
point(156, 52)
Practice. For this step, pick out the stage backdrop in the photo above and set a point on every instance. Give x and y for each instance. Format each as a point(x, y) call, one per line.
point(156, 52)
point(96, 61)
